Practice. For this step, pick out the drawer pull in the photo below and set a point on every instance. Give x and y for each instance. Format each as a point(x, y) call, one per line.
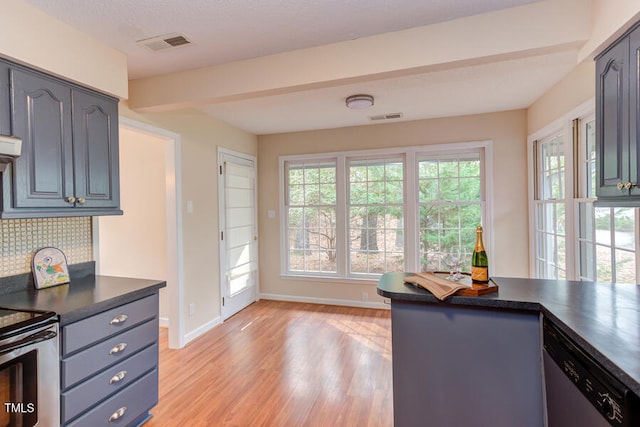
point(118, 319)
point(117, 377)
point(118, 348)
point(118, 414)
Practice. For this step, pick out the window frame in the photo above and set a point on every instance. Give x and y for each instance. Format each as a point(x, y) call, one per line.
point(410, 154)
point(576, 189)
point(544, 199)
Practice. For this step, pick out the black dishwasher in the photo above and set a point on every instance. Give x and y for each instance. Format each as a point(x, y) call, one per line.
point(580, 391)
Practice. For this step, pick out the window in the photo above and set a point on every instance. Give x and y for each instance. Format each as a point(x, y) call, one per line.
point(311, 213)
point(361, 214)
point(550, 208)
point(376, 216)
point(450, 204)
point(606, 239)
point(606, 236)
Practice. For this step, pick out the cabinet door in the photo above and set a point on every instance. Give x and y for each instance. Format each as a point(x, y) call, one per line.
point(95, 150)
point(41, 116)
point(634, 110)
point(5, 108)
point(612, 134)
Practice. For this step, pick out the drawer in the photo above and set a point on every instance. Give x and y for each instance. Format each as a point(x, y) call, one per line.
point(132, 402)
point(88, 393)
point(104, 354)
point(102, 325)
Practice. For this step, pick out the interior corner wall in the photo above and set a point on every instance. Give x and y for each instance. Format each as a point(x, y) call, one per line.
point(507, 130)
point(135, 244)
point(200, 137)
point(574, 89)
point(35, 39)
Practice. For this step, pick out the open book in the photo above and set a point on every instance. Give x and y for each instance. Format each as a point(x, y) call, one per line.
point(440, 287)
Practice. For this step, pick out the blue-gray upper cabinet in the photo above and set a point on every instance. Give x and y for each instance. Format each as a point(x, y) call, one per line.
point(618, 123)
point(95, 151)
point(5, 111)
point(69, 160)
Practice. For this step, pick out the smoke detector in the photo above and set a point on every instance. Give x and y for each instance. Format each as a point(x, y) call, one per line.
point(166, 41)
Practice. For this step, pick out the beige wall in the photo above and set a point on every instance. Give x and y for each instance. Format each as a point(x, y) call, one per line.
point(135, 244)
point(574, 89)
point(29, 36)
point(200, 136)
point(507, 130)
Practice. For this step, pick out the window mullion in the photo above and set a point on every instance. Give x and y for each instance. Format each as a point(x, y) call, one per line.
point(411, 208)
point(342, 215)
point(636, 215)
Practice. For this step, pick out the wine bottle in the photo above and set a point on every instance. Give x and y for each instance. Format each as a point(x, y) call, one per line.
point(479, 261)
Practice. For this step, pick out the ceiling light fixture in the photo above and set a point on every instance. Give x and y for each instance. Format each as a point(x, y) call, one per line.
point(359, 102)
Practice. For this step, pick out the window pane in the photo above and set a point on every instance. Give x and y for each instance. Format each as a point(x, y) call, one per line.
point(550, 209)
point(450, 207)
point(604, 264)
point(625, 267)
point(603, 226)
point(551, 168)
point(609, 255)
point(624, 223)
point(376, 216)
point(311, 217)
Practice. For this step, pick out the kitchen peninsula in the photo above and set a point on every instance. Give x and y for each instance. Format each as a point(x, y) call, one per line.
point(478, 360)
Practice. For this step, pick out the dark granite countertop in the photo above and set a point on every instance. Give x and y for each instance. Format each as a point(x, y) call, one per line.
point(603, 318)
point(84, 296)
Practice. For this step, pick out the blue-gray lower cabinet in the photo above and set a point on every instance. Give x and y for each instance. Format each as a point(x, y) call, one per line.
point(460, 366)
point(109, 366)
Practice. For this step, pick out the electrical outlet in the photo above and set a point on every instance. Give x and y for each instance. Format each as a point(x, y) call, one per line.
point(192, 309)
point(365, 296)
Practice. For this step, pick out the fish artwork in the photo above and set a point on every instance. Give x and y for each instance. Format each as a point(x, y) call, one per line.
point(50, 268)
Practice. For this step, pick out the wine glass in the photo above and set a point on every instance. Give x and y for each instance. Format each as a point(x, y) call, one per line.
point(462, 258)
point(453, 260)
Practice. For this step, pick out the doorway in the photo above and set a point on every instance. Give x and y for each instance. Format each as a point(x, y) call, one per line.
point(149, 228)
point(239, 231)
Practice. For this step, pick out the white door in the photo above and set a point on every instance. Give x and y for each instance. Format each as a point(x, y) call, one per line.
point(239, 232)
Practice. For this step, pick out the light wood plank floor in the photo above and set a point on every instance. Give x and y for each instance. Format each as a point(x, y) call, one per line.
point(281, 364)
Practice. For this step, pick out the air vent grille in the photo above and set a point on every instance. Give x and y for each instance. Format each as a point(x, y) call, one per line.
point(389, 116)
point(166, 41)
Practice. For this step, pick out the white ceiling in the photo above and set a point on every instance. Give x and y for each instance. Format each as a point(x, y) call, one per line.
point(224, 31)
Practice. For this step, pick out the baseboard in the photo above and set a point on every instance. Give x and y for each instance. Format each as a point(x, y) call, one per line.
point(163, 322)
point(328, 301)
point(202, 330)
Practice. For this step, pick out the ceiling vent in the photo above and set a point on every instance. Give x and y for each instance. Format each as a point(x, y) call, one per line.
point(165, 42)
point(389, 116)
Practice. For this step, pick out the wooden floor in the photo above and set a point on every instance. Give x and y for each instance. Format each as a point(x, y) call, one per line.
point(281, 364)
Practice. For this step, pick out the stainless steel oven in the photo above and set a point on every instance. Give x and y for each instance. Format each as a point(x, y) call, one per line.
point(29, 369)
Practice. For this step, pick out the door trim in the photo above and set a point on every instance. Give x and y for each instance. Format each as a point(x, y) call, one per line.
point(221, 215)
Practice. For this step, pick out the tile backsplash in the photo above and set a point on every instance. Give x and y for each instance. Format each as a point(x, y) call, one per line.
point(20, 238)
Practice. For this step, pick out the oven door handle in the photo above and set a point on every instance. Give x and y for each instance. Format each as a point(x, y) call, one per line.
point(26, 341)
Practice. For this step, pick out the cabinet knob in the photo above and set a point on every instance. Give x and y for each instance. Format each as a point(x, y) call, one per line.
point(81, 200)
point(71, 199)
point(629, 185)
point(118, 414)
point(118, 319)
point(118, 348)
point(118, 377)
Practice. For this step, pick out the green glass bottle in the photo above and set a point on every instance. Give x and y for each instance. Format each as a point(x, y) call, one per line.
point(479, 261)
